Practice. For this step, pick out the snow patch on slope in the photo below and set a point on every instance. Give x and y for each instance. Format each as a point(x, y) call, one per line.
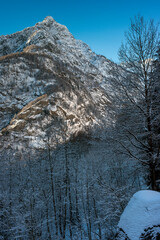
point(142, 211)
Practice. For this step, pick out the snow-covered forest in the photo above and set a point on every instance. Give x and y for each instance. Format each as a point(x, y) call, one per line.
point(79, 133)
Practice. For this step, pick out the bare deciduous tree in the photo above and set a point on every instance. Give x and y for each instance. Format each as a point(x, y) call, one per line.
point(137, 56)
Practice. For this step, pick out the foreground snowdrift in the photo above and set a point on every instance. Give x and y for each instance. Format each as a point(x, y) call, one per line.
point(141, 216)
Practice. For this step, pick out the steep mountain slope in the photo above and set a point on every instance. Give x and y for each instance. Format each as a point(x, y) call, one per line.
point(51, 82)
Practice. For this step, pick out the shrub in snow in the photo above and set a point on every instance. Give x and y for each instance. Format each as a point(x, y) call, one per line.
point(151, 233)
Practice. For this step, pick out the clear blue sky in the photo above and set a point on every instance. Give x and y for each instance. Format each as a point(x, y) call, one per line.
point(99, 23)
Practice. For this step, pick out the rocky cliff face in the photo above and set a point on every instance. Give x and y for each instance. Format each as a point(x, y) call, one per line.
point(51, 84)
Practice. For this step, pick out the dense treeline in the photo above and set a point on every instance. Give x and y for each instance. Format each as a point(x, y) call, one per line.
point(76, 191)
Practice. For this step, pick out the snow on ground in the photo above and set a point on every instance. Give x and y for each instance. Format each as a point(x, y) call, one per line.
point(142, 211)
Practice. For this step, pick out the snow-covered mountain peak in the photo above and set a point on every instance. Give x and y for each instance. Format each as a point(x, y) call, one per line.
point(56, 40)
point(53, 27)
point(48, 20)
point(47, 68)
